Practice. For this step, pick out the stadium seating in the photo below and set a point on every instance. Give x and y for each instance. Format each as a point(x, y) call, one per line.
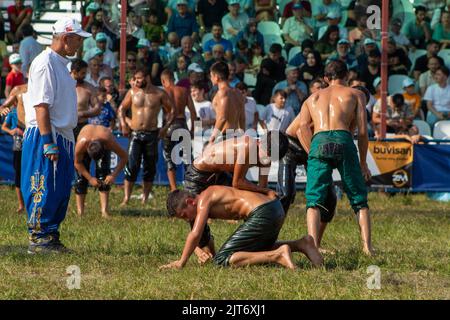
point(293, 52)
point(269, 27)
point(414, 55)
point(445, 54)
point(423, 126)
point(269, 39)
point(395, 83)
point(250, 79)
point(281, 5)
point(442, 130)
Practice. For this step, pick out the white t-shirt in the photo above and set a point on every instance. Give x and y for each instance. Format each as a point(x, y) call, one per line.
point(278, 119)
point(50, 82)
point(250, 110)
point(204, 110)
point(439, 96)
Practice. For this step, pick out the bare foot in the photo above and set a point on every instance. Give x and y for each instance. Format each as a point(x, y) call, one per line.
point(124, 203)
point(106, 215)
point(284, 257)
point(369, 251)
point(20, 209)
point(310, 250)
point(80, 214)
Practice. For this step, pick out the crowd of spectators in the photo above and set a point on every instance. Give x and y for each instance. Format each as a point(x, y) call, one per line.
point(188, 36)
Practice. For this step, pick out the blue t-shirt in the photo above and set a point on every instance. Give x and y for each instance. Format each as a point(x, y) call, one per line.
point(182, 26)
point(12, 120)
point(105, 117)
point(226, 44)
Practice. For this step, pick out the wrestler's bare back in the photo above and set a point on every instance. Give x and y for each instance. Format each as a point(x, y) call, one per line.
point(229, 203)
point(145, 107)
point(180, 98)
point(232, 102)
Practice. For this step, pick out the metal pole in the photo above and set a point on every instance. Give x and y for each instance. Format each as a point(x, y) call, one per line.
point(123, 45)
point(384, 64)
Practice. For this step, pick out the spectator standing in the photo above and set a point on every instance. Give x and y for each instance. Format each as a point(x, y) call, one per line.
point(295, 30)
point(437, 97)
point(295, 89)
point(29, 48)
point(112, 94)
point(97, 70)
point(210, 12)
point(276, 115)
point(183, 23)
point(418, 31)
point(203, 107)
point(15, 76)
point(107, 114)
point(234, 21)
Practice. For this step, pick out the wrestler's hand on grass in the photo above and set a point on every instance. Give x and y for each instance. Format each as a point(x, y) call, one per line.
point(203, 256)
point(95, 182)
point(365, 171)
point(109, 180)
point(173, 265)
point(52, 157)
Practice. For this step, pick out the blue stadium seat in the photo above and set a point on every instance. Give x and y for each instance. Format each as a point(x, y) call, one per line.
point(249, 79)
point(445, 54)
point(423, 126)
point(293, 52)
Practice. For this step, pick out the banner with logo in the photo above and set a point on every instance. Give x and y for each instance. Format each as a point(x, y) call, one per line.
point(390, 164)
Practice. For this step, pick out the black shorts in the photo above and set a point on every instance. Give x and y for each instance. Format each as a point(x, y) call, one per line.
point(102, 170)
point(17, 160)
point(258, 233)
point(77, 130)
point(196, 181)
point(143, 146)
point(286, 186)
point(169, 145)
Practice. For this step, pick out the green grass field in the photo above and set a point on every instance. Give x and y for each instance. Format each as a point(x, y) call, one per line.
point(118, 258)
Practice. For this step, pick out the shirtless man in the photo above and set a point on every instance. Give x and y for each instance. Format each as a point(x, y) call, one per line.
point(254, 242)
point(334, 113)
point(15, 99)
point(95, 142)
point(145, 101)
point(181, 99)
point(228, 103)
point(87, 103)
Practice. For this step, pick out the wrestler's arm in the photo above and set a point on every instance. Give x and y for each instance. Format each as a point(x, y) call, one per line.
point(304, 133)
point(363, 138)
point(5, 108)
point(80, 150)
point(122, 154)
point(221, 119)
point(192, 112)
point(169, 109)
point(95, 110)
point(124, 106)
point(43, 122)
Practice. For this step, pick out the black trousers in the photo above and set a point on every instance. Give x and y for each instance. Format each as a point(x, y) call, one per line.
point(143, 147)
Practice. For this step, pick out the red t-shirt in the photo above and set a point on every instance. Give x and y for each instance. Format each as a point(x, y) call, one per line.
point(287, 12)
point(13, 10)
point(14, 79)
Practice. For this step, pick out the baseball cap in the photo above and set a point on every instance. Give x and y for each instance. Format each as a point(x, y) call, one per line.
point(101, 36)
point(15, 59)
point(408, 82)
point(290, 68)
point(181, 2)
point(232, 2)
point(343, 41)
point(97, 52)
point(69, 25)
point(369, 41)
point(376, 82)
point(195, 67)
point(143, 43)
point(93, 6)
point(333, 15)
point(297, 6)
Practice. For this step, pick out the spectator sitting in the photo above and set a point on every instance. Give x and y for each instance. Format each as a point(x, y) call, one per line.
point(288, 12)
point(186, 50)
point(172, 7)
point(370, 99)
point(203, 107)
point(181, 72)
point(265, 81)
point(112, 94)
point(333, 19)
point(29, 47)
point(312, 68)
point(149, 60)
point(321, 10)
point(210, 12)
point(97, 70)
point(400, 39)
point(256, 58)
point(18, 16)
point(217, 39)
point(295, 30)
point(277, 61)
point(437, 97)
point(251, 112)
point(426, 79)
point(251, 34)
point(183, 22)
point(241, 65)
point(300, 58)
point(108, 56)
point(399, 116)
point(343, 53)
point(242, 51)
point(421, 64)
point(90, 43)
point(152, 28)
point(172, 45)
point(107, 116)
point(368, 45)
point(234, 22)
point(277, 116)
point(296, 90)
point(441, 32)
point(398, 61)
point(233, 80)
point(218, 54)
point(412, 98)
point(327, 44)
point(418, 31)
point(265, 10)
point(136, 24)
point(15, 76)
point(317, 84)
point(372, 70)
point(360, 33)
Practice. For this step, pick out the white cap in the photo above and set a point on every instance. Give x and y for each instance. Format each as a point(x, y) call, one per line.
point(15, 59)
point(195, 67)
point(69, 25)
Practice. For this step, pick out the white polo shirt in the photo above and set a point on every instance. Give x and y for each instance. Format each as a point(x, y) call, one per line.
point(50, 82)
point(439, 96)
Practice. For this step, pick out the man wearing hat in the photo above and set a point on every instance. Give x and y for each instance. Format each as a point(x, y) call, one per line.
point(296, 90)
point(15, 76)
point(368, 45)
point(321, 10)
point(149, 60)
point(333, 19)
point(401, 40)
point(195, 74)
point(295, 30)
point(108, 56)
point(183, 22)
point(234, 21)
point(343, 53)
point(51, 115)
point(90, 42)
